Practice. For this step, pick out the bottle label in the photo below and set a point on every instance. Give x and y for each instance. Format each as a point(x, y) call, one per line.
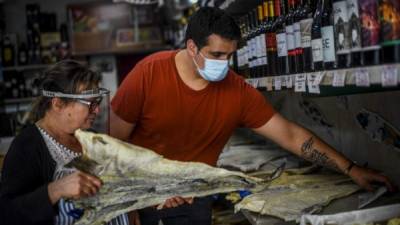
point(355, 24)
point(258, 49)
point(328, 44)
point(297, 35)
point(342, 34)
point(253, 48)
point(240, 57)
point(317, 51)
point(305, 30)
point(390, 22)
point(370, 26)
point(263, 48)
point(290, 37)
point(281, 44)
point(246, 55)
point(249, 48)
point(271, 41)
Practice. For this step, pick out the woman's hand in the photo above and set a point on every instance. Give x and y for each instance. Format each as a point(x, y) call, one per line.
point(73, 186)
point(175, 202)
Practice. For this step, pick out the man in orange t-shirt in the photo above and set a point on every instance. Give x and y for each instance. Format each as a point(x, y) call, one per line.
point(185, 105)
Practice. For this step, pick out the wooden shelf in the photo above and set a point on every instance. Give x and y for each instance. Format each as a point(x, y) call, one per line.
point(26, 67)
point(325, 83)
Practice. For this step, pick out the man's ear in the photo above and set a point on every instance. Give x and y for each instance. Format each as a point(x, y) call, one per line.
point(191, 47)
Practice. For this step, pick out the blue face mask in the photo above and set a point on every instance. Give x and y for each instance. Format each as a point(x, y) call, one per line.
point(214, 70)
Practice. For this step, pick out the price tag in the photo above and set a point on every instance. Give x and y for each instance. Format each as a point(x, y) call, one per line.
point(270, 84)
point(339, 78)
point(248, 80)
point(362, 78)
point(283, 81)
point(318, 78)
point(278, 83)
point(300, 83)
point(312, 88)
point(256, 83)
point(389, 76)
point(263, 82)
point(289, 81)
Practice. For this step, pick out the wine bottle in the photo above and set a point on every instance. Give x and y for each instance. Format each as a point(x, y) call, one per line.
point(370, 30)
point(8, 54)
point(316, 38)
point(390, 23)
point(246, 49)
point(257, 65)
point(248, 43)
point(241, 48)
point(355, 31)
point(342, 35)
point(21, 86)
point(22, 54)
point(290, 36)
point(271, 39)
point(306, 20)
point(251, 44)
point(263, 59)
point(14, 87)
point(283, 67)
point(328, 38)
point(254, 43)
point(297, 36)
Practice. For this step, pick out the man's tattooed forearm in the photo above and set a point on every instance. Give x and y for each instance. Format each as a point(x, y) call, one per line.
point(308, 152)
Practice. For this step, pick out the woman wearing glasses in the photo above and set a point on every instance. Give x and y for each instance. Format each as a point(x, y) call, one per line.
point(36, 185)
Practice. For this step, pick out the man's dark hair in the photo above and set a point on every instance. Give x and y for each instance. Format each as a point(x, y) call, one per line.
point(207, 21)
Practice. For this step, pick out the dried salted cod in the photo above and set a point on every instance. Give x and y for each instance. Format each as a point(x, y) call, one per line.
point(134, 177)
point(292, 195)
point(248, 158)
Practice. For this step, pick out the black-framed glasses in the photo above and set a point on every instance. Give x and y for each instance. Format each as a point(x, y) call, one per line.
point(91, 104)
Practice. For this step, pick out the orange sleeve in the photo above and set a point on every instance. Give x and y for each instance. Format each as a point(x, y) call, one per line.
point(129, 98)
point(256, 110)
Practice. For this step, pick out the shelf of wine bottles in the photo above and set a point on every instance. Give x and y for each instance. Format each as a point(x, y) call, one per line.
point(19, 87)
point(386, 76)
point(26, 67)
point(287, 38)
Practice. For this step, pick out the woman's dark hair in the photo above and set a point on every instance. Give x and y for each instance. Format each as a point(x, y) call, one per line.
point(67, 76)
point(207, 21)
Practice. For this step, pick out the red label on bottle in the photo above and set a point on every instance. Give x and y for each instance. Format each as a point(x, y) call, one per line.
point(271, 41)
point(292, 52)
point(299, 51)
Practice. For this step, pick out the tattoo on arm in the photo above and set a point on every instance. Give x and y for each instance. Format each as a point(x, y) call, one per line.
point(308, 152)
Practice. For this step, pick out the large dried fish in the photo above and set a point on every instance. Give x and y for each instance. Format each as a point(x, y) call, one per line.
point(134, 177)
point(248, 158)
point(292, 195)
